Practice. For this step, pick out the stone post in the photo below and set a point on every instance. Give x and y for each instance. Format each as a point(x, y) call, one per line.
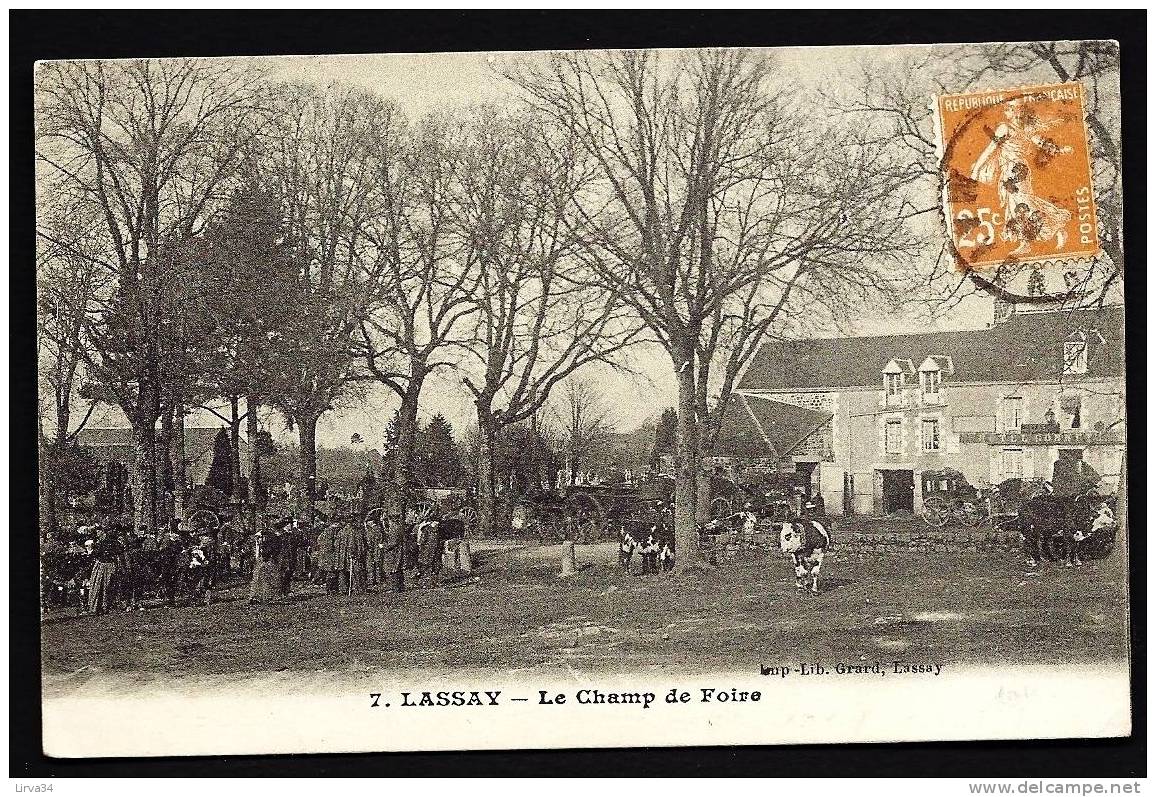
point(568, 567)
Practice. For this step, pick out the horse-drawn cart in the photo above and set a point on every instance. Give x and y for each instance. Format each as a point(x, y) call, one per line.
point(587, 512)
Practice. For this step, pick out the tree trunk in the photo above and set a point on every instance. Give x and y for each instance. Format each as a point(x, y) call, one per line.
point(703, 493)
point(406, 442)
point(306, 467)
point(165, 486)
point(686, 464)
point(235, 447)
point(487, 505)
point(50, 517)
point(178, 459)
point(397, 494)
point(252, 432)
point(143, 475)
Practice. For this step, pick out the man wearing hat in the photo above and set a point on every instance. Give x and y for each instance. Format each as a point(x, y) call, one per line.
point(324, 559)
point(349, 550)
point(203, 563)
point(375, 551)
point(287, 554)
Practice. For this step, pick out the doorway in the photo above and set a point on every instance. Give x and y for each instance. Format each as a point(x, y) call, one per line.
point(898, 491)
point(807, 471)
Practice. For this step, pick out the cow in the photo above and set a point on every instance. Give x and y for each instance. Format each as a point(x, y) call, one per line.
point(1100, 533)
point(806, 542)
point(653, 541)
point(452, 528)
point(657, 549)
point(666, 548)
point(626, 546)
point(65, 573)
point(648, 549)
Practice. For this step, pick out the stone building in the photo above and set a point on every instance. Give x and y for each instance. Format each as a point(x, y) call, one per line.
point(869, 420)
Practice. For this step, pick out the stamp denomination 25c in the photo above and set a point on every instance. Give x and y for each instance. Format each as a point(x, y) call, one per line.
point(1017, 180)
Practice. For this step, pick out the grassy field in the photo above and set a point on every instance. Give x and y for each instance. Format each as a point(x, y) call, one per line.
point(516, 614)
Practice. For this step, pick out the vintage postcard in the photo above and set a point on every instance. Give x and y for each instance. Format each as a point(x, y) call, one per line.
point(575, 399)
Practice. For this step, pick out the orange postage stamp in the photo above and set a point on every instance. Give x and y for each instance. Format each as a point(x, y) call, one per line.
point(1017, 179)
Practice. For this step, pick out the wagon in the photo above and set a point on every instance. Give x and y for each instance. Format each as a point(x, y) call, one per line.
point(589, 511)
point(947, 495)
point(771, 496)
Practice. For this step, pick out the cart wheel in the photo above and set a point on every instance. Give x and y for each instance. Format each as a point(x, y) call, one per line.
point(205, 516)
point(936, 512)
point(469, 518)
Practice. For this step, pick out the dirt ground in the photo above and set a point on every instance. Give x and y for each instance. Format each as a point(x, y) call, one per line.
point(516, 613)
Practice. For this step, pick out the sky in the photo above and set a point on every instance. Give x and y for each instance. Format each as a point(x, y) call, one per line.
point(429, 82)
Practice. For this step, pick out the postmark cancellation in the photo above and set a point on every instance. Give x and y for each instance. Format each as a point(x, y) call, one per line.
point(1017, 181)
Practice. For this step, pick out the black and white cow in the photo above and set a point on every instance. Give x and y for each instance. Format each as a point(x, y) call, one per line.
point(626, 546)
point(665, 536)
point(806, 542)
point(653, 541)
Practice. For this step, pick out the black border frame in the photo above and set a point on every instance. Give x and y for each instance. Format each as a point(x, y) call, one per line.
point(41, 35)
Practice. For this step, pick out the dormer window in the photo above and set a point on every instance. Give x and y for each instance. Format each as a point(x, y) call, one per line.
point(929, 380)
point(1076, 354)
point(893, 383)
point(895, 376)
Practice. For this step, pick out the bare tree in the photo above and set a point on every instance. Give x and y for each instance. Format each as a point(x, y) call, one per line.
point(320, 163)
point(429, 281)
point(67, 276)
point(148, 145)
point(716, 210)
point(584, 420)
point(540, 318)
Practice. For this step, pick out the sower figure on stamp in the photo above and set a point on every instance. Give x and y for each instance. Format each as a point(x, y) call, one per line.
point(1028, 217)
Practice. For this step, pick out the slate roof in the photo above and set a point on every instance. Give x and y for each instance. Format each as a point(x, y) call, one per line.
point(1027, 347)
point(754, 426)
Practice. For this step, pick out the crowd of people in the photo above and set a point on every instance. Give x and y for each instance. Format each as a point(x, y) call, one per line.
point(104, 565)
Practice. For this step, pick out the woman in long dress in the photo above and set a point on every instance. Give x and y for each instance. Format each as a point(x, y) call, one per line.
point(106, 552)
point(266, 586)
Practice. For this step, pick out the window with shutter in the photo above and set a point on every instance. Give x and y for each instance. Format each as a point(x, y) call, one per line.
point(894, 437)
point(1013, 463)
point(1013, 413)
point(930, 427)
